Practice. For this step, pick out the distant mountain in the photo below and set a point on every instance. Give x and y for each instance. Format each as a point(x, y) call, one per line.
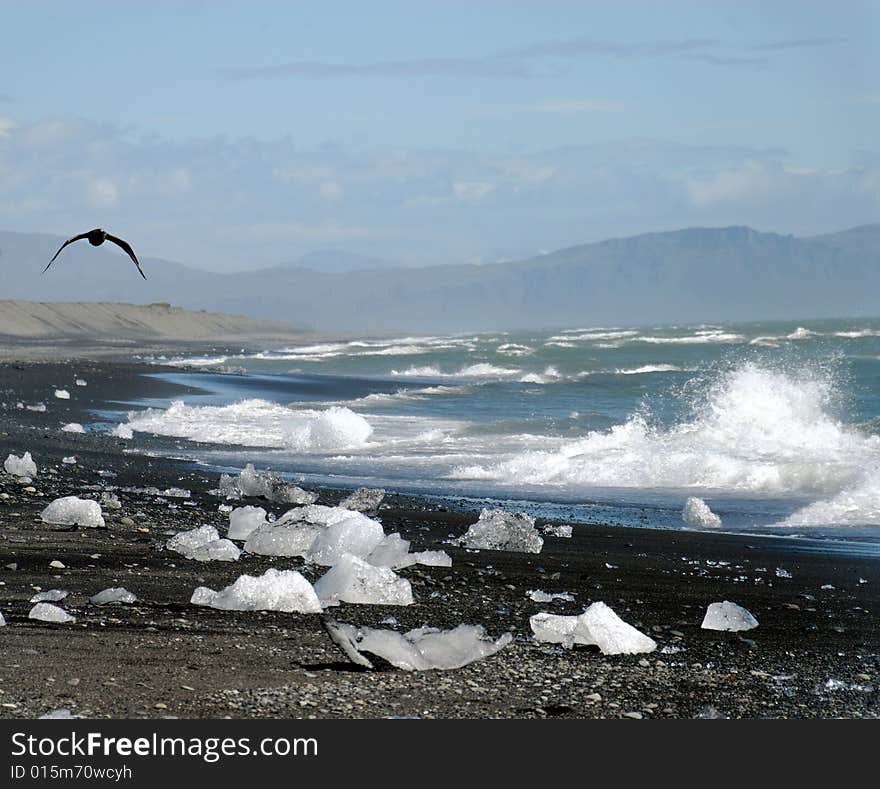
point(334, 261)
point(692, 275)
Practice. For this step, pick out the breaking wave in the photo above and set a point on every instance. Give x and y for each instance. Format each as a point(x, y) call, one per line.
point(258, 423)
point(757, 430)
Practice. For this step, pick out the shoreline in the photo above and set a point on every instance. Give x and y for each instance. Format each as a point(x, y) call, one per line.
point(162, 656)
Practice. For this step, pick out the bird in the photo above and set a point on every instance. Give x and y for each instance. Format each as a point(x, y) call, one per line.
point(97, 237)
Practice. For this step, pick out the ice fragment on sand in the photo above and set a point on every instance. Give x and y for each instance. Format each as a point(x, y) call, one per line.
point(364, 500)
point(243, 521)
point(23, 466)
point(110, 501)
point(288, 539)
point(598, 626)
point(62, 394)
point(80, 382)
point(122, 431)
point(352, 580)
point(2, 620)
point(418, 650)
point(73, 511)
point(266, 484)
point(46, 612)
point(539, 596)
point(52, 596)
point(204, 544)
point(354, 534)
point(70, 460)
point(60, 714)
point(393, 552)
point(73, 427)
point(503, 531)
point(274, 590)
point(557, 531)
point(697, 514)
point(117, 594)
point(728, 616)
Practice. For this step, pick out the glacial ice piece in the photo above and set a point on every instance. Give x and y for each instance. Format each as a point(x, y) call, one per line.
point(364, 500)
point(116, 594)
point(110, 501)
point(393, 552)
point(598, 626)
point(355, 534)
point(2, 620)
point(557, 531)
point(73, 427)
point(266, 484)
point(422, 649)
point(80, 382)
point(62, 713)
point(46, 612)
point(274, 590)
point(352, 580)
point(539, 596)
point(243, 521)
point(73, 511)
point(728, 616)
point(697, 514)
point(503, 531)
point(23, 466)
point(62, 394)
point(51, 596)
point(122, 431)
point(288, 539)
point(40, 408)
point(69, 460)
point(204, 544)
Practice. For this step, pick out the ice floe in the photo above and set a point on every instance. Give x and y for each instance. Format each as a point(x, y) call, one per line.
point(728, 616)
point(352, 580)
point(598, 626)
point(73, 511)
point(422, 649)
point(503, 531)
point(274, 590)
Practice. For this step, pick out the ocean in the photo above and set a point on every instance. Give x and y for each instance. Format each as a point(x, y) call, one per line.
point(775, 426)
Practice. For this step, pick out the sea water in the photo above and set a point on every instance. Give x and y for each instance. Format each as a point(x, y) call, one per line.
point(776, 426)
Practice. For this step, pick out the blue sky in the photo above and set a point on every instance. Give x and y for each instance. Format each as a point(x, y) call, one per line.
point(237, 135)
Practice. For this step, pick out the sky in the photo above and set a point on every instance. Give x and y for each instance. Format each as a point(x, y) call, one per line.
point(239, 135)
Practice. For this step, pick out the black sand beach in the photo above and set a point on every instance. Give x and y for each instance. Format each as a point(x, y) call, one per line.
point(815, 653)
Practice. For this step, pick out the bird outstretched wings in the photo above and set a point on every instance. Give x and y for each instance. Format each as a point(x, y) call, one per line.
point(69, 241)
point(126, 247)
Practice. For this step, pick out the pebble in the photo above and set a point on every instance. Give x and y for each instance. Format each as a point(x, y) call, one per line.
point(637, 716)
point(126, 521)
point(55, 564)
point(644, 663)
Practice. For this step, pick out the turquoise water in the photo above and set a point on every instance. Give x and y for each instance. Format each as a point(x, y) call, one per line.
point(774, 425)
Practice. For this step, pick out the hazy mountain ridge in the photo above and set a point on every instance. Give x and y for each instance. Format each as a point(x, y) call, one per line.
point(691, 275)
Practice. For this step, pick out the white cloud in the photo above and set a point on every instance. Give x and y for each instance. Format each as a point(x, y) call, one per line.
point(746, 182)
point(472, 191)
point(102, 193)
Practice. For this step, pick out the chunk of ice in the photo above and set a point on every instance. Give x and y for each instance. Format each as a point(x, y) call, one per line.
point(80, 382)
point(697, 514)
point(62, 713)
point(393, 552)
point(46, 612)
point(352, 580)
point(288, 539)
point(422, 649)
point(274, 590)
point(204, 544)
point(73, 427)
point(243, 521)
point(116, 594)
point(51, 596)
point(728, 616)
point(23, 466)
point(557, 531)
point(598, 626)
point(354, 534)
point(73, 511)
point(364, 500)
point(70, 460)
point(266, 484)
point(62, 394)
point(2, 620)
point(539, 596)
point(503, 531)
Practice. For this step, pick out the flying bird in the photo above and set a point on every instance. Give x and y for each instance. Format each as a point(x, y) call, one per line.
point(97, 237)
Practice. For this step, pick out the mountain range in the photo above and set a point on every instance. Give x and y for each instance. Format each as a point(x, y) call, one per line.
point(691, 275)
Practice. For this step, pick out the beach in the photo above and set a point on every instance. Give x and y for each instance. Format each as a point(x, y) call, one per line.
point(815, 652)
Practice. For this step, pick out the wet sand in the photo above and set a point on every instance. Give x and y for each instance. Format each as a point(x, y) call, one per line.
point(815, 653)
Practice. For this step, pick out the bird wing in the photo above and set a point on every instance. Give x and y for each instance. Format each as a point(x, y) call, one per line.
point(69, 241)
point(123, 244)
